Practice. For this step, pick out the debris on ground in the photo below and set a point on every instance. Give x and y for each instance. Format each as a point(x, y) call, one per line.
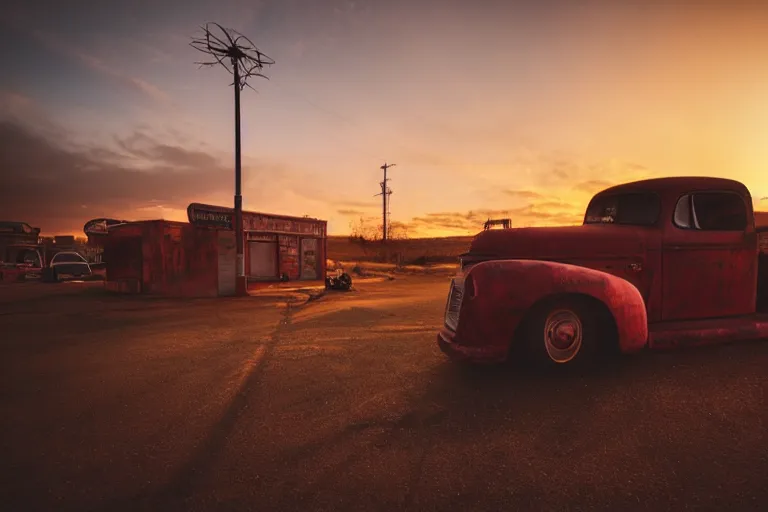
point(340, 280)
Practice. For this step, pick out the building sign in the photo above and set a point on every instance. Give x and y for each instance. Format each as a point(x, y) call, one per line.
point(210, 216)
point(258, 222)
point(203, 214)
point(258, 237)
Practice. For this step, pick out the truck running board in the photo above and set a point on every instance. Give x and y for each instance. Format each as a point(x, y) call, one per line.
point(667, 335)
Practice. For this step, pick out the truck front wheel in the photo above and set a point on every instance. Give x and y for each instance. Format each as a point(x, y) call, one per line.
point(563, 331)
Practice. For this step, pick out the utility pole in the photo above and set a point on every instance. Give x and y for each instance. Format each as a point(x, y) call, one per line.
point(385, 193)
point(238, 55)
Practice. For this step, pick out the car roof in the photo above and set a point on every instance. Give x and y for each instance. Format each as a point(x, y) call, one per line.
point(679, 184)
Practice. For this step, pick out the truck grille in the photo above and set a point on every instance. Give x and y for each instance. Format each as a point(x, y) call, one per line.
point(453, 306)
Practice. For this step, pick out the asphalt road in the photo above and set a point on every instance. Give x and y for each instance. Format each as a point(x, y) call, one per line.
point(347, 404)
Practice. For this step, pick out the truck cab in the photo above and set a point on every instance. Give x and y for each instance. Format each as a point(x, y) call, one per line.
point(681, 256)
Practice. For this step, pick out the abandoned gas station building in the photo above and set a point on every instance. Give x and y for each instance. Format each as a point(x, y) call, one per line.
point(276, 246)
point(199, 258)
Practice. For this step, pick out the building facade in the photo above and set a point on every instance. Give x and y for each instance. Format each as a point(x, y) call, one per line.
point(277, 247)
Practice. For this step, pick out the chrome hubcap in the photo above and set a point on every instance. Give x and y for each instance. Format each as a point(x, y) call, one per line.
point(562, 335)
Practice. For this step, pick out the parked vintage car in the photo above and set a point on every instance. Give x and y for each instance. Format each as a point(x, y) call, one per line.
point(658, 263)
point(68, 265)
point(20, 262)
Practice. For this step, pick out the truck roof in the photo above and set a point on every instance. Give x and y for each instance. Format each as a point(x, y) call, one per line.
point(679, 184)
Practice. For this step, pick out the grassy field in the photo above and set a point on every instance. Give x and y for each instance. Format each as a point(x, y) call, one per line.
point(418, 251)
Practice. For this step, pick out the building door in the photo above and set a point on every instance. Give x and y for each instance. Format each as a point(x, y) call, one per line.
point(262, 257)
point(309, 258)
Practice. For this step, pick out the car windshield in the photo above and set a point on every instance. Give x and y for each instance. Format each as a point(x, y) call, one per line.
point(67, 258)
point(635, 209)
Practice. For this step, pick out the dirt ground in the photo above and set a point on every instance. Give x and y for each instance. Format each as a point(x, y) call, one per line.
point(411, 250)
point(346, 403)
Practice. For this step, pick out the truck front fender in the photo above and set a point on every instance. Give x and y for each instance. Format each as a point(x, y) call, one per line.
point(504, 292)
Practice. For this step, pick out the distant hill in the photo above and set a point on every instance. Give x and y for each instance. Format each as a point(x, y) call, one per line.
point(761, 219)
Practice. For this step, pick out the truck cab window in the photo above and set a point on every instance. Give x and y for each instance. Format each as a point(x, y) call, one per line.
point(711, 211)
point(635, 209)
point(683, 218)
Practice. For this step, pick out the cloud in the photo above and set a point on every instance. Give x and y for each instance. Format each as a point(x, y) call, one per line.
point(555, 170)
point(20, 107)
point(541, 211)
point(523, 194)
point(350, 213)
point(142, 146)
point(366, 205)
point(58, 188)
point(54, 43)
point(593, 186)
point(471, 222)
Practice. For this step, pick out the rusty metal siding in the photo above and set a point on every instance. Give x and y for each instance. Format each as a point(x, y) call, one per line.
point(161, 257)
point(187, 263)
point(123, 257)
point(289, 256)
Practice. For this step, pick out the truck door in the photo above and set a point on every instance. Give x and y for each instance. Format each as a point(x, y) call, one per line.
point(709, 258)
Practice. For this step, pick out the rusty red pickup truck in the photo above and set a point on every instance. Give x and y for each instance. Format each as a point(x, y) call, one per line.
point(659, 263)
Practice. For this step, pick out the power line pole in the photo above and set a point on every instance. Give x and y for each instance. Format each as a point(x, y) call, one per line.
point(385, 193)
point(238, 55)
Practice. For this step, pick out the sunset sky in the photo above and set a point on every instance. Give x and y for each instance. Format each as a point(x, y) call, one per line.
point(488, 108)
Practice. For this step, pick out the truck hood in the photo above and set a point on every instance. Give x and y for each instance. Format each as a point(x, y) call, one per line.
point(562, 243)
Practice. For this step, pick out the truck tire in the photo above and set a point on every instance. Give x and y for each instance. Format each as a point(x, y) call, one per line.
point(565, 331)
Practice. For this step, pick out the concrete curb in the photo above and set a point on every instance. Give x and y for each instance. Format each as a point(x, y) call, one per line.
point(368, 275)
point(292, 297)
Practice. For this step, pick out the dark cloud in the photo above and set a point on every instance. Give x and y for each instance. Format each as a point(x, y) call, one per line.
point(145, 147)
point(59, 188)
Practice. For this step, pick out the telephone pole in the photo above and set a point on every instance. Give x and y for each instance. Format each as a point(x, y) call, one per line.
point(385, 193)
point(238, 55)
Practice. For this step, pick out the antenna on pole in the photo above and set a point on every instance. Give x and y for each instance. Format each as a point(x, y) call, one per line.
point(238, 55)
point(385, 193)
